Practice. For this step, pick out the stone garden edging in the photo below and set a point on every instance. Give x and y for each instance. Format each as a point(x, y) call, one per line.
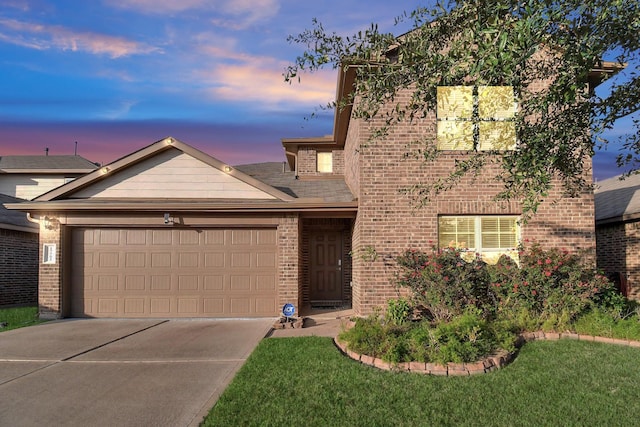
point(491, 363)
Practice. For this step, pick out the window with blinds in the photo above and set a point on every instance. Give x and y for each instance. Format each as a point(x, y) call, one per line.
point(324, 161)
point(476, 118)
point(488, 236)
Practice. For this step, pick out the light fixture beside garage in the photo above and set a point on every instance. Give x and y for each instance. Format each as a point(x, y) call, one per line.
point(228, 168)
point(168, 219)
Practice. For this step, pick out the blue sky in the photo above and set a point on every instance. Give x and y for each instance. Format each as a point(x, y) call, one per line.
point(116, 75)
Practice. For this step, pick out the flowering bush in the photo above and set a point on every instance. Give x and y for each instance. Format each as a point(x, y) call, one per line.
point(553, 285)
point(443, 284)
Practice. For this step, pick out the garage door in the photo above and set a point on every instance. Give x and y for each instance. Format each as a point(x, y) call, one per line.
point(173, 273)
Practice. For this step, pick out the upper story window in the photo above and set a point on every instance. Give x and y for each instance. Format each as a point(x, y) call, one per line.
point(324, 161)
point(476, 118)
point(488, 236)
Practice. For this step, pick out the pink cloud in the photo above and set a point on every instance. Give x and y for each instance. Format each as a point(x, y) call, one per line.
point(43, 37)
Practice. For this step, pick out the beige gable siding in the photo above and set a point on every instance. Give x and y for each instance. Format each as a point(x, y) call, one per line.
point(172, 174)
point(28, 187)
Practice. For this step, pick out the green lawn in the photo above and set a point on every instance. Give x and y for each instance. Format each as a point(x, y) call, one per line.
point(307, 382)
point(18, 317)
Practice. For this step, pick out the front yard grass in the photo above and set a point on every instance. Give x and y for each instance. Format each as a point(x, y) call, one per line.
point(306, 381)
point(19, 317)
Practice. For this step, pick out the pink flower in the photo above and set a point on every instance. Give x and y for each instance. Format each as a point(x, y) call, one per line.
point(548, 261)
point(547, 273)
point(533, 292)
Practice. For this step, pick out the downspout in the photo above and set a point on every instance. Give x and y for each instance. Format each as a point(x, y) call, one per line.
point(31, 219)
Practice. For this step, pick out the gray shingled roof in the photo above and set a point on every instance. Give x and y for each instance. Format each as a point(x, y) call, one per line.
point(271, 173)
point(63, 163)
point(14, 218)
point(615, 198)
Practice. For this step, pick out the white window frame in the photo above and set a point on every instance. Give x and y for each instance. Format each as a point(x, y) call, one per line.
point(475, 247)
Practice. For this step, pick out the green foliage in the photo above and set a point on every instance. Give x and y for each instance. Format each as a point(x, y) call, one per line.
point(499, 43)
point(398, 311)
point(552, 286)
point(465, 338)
point(603, 323)
point(444, 284)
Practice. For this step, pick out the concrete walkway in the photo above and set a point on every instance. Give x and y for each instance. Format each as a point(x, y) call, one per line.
point(121, 372)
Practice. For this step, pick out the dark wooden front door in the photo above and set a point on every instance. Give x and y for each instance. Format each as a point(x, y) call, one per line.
point(326, 266)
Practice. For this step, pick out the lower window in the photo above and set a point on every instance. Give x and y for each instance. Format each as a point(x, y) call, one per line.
point(487, 237)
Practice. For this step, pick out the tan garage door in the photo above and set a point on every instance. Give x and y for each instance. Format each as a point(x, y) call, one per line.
point(173, 273)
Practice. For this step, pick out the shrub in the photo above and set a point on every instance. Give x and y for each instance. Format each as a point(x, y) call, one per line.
point(466, 338)
point(444, 284)
point(398, 311)
point(553, 285)
point(603, 323)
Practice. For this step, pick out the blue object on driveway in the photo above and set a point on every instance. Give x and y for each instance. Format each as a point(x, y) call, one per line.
point(288, 309)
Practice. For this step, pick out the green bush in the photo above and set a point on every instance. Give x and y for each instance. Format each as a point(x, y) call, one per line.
point(398, 311)
point(443, 284)
point(465, 338)
point(551, 285)
point(603, 323)
point(473, 308)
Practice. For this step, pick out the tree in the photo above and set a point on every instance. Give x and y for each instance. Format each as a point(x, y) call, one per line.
point(500, 43)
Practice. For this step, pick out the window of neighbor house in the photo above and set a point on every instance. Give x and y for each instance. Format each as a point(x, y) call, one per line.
point(324, 161)
point(476, 118)
point(488, 236)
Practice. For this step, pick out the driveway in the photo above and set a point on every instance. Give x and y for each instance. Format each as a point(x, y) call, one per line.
point(121, 372)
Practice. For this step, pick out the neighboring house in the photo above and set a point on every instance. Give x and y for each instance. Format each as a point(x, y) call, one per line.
point(169, 231)
point(27, 177)
point(18, 257)
point(618, 231)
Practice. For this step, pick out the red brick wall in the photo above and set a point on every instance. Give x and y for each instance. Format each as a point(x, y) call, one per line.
point(307, 163)
point(18, 268)
point(618, 246)
point(50, 281)
point(388, 221)
point(289, 257)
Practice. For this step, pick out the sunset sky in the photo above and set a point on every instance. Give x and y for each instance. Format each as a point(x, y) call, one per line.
point(117, 75)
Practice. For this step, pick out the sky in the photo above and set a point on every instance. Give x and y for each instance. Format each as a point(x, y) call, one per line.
point(117, 75)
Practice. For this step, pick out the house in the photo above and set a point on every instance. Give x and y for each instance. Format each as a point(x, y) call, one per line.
point(169, 231)
point(18, 257)
point(617, 207)
point(26, 177)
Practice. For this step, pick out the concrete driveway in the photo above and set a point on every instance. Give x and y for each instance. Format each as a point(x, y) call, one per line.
point(121, 372)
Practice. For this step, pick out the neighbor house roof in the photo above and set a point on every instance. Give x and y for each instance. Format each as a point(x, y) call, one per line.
point(46, 164)
point(617, 200)
point(14, 220)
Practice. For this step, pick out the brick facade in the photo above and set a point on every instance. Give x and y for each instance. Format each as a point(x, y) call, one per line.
point(18, 268)
point(307, 162)
point(617, 253)
point(50, 288)
point(389, 223)
point(289, 256)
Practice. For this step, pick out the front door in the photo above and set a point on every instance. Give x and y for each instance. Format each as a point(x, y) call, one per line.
point(326, 266)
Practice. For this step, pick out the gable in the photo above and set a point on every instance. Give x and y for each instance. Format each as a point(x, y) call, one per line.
point(171, 174)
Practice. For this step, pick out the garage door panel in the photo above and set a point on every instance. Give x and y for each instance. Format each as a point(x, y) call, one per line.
point(174, 273)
